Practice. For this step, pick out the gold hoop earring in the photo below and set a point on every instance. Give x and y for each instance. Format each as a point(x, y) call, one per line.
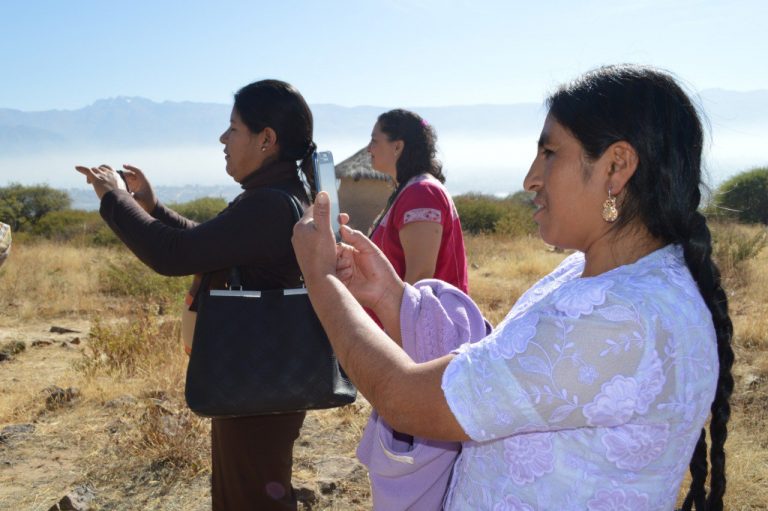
point(610, 213)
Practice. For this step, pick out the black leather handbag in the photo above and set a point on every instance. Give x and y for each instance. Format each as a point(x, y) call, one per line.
point(261, 352)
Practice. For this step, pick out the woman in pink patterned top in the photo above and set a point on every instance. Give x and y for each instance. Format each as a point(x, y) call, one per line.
point(420, 233)
point(419, 230)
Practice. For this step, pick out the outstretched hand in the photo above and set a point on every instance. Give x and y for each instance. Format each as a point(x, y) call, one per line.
point(103, 179)
point(140, 187)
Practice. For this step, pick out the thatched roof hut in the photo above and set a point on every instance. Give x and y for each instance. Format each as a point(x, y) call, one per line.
point(363, 192)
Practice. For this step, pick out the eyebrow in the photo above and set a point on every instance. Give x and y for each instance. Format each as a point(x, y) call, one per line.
point(543, 139)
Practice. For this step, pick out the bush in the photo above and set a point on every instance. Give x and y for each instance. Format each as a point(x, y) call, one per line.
point(200, 210)
point(511, 216)
point(479, 213)
point(733, 245)
point(743, 197)
point(517, 221)
point(134, 280)
point(24, 206)
point(75, 225)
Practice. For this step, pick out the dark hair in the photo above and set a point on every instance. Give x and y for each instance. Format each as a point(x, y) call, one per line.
point(647, 108)
point(419, 154)
point(278, 105)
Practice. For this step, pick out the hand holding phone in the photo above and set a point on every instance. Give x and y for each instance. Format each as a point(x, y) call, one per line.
point(325, 180)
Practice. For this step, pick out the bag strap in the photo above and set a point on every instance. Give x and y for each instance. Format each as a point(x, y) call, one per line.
point(235, 281)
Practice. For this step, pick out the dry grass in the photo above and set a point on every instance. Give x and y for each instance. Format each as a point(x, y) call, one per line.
point(136, 434)
point(51, 280)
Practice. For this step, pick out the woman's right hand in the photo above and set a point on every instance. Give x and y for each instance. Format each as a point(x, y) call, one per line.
point(140, 187)
point(365, 270)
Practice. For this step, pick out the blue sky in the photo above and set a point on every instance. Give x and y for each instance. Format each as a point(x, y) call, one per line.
point(66, 55)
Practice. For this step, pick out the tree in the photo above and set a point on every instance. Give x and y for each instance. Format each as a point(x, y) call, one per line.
point(744, 196)
point(23, 206)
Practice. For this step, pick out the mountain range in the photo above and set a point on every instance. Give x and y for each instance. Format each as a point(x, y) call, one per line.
point(485, 148)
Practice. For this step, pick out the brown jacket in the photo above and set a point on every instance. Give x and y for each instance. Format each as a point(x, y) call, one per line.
point(253, 232)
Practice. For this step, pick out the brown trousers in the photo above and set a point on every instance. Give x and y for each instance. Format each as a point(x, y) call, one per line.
point(251, 462)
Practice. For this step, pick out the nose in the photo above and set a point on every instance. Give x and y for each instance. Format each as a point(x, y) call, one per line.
point(223, 137)
point(532, 181)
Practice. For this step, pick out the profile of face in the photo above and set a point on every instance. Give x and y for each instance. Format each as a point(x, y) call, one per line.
point(245, 151)
point(569, 189)
point(384, 152)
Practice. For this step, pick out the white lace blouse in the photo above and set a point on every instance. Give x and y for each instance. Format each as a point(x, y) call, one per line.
point(591, 393)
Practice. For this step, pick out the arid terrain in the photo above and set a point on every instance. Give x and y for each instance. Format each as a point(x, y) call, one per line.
point(92, 371)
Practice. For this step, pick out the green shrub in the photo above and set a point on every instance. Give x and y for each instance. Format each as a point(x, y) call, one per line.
point(75, 225)
point(743, 197)
point(134, 280)
point(24, 206)
point(479, 213)
point(517, 221)
point(511, 216)
point(200, 210)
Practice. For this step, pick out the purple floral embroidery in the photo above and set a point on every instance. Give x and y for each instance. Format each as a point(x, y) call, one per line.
point(582, 296)
point(618, 500)
point(633, 447)
point(651, 384)
point(514, 336)
point(529, 456)
point(587, 374)
point(615, 403)
point(512, 503)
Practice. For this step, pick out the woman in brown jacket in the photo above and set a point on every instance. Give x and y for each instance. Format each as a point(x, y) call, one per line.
point(270, 131)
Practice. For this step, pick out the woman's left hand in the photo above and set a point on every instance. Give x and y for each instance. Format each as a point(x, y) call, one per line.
point(103, 179)
point(314, 242)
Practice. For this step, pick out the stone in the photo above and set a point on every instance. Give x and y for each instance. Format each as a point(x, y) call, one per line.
point(40, 343)
point(62, 330)
point(79, 499)
point(306, 496)
point(10, 349)
point(58, 397)
point(15, 431)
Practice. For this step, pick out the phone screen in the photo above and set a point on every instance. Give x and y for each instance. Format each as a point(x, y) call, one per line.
point(325, 178)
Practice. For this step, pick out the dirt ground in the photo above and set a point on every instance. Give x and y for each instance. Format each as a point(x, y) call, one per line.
point(64, 435)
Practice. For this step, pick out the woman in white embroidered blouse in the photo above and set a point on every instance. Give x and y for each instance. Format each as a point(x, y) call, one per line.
point(593, 391)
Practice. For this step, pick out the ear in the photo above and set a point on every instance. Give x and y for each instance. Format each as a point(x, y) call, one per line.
point(268, 138)
point(399, 145)
point(620, 164)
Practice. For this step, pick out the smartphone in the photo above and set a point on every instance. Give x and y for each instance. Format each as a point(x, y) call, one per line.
point(325, 179)
point(124, 181)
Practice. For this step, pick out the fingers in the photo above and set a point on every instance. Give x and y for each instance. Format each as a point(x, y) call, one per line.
point(86, 171)
point(130, 169)
point(343, 219)
point(322, 213)
point(357, 239)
